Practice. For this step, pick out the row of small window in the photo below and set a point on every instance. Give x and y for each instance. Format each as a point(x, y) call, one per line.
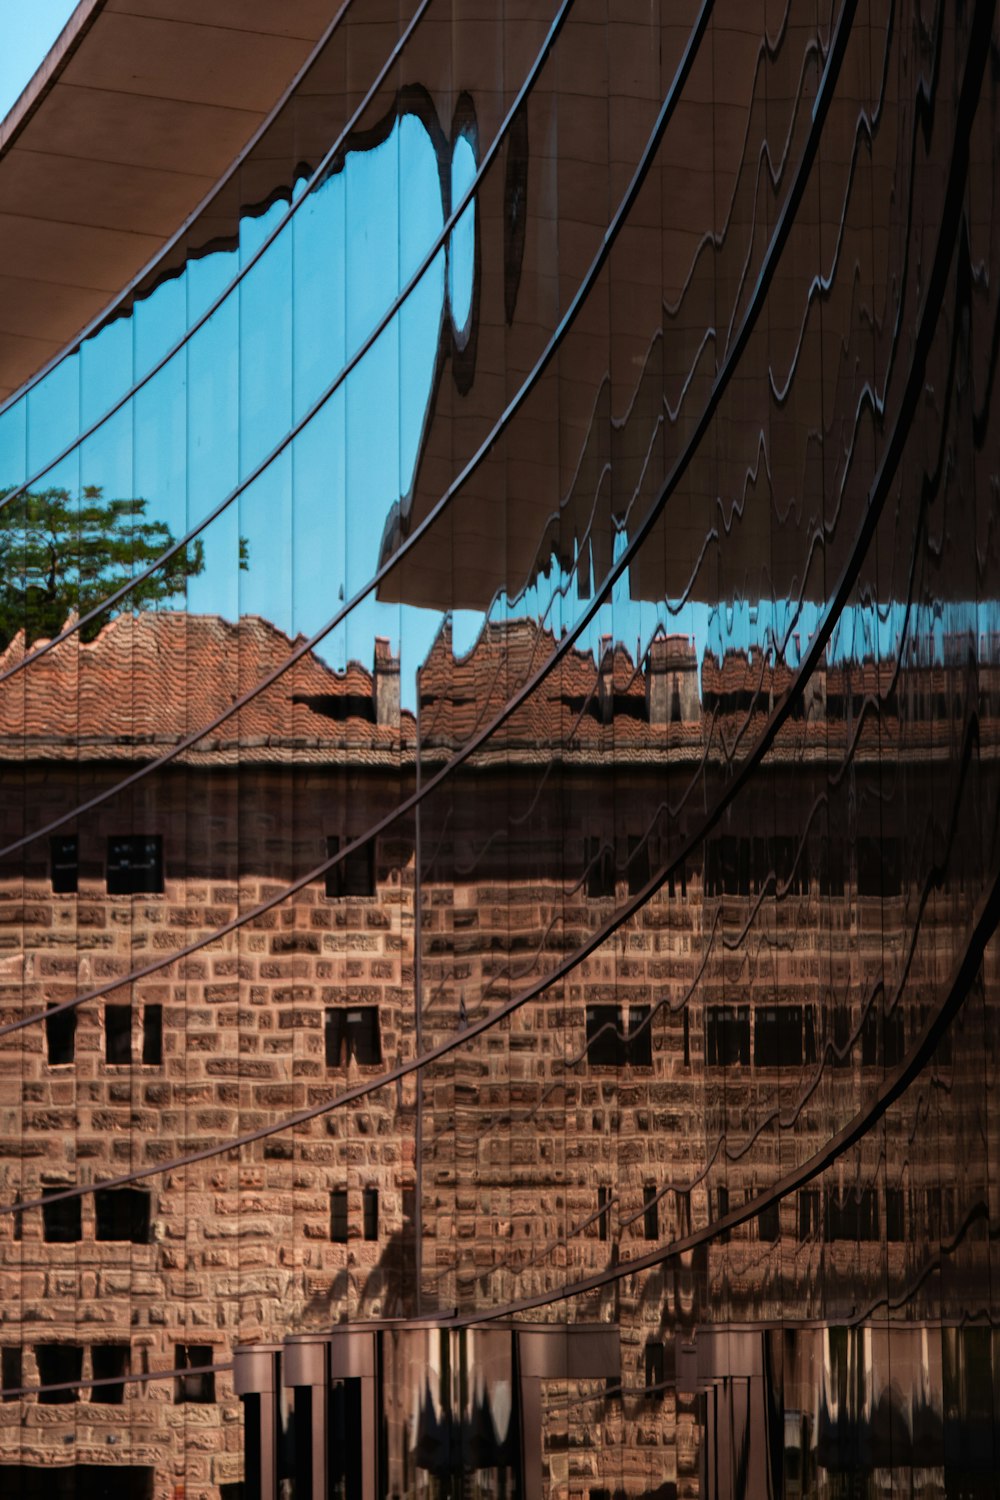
point(741, 866)
point(135, 866)
point(60, 1036)
point(350, 1033)
point(850, 1215)
point(61, 1364)
point(785, 1036)
point(119, 1214)
point(340, 1218)
point(854, 1214)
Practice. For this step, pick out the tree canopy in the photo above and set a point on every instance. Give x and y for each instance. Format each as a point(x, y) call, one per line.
point(60, 555)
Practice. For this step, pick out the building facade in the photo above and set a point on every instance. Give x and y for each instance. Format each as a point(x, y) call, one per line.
point(498, 724)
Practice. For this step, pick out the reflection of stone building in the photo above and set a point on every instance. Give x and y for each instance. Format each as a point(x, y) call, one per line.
point(590, 1127)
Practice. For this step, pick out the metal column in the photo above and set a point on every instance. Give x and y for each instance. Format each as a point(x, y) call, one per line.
point(256, 1380)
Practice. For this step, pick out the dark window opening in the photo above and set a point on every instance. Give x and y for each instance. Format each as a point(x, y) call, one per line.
point(64, 864)
point(603, 1041)
point(683, 1206)
point(60, 1038)
point(123, 1214)
point(784, 1036)
point(199, 1386)
point(808, 1214)
point(638, 864)
point(722, 1199)
point(369, 1213)
point(650, 1213)
point(831, 867)
point(852, 1215)
point(638, 1045)
point(109, 1360)
point(655, 1369)
point(879, 867)
point(58, 1364)
point(609, 1046)
point(840, 1056)
point(118, 1034)
point(599, 867)
point(353, 1032)
point(883, 1042)
point(135, 865)
point(338, 1216)
point(727, 1035)
point(355, 874)
point(686, 1021)
point(11, 1371)
point(894, 1216)
point(61, 1222)
point(603, 1211)
point(768, 1224)
point(152, 1035)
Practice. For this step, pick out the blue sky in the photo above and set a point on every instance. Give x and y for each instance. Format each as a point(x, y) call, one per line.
point(27, 30)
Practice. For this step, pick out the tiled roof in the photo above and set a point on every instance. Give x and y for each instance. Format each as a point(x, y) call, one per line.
point(148, 680)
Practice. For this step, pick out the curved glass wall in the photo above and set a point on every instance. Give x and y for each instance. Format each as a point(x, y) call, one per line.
point(499, 650)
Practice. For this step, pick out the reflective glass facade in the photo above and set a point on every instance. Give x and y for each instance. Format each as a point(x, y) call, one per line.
point(498, 732)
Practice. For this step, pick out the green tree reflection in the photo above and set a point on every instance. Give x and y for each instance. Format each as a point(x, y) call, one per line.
point(60, 555)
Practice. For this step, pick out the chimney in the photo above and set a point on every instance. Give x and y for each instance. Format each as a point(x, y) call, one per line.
point(672, 681)
point(606, 679)
point(385, 683)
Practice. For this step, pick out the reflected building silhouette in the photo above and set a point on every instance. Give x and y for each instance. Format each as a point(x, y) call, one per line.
point(497, 986)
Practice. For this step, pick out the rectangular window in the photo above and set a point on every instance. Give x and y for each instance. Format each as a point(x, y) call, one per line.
point(354, 875)
point(722, 1202)
point(840, 1054)
point(727, 1035)
point(118, 1034)
point(852, 1215)
point(638, 864)
point(831, 867)
point(60, 1038)
point(894, 1216)
point(11, 1368)
point(808, 1214)
point(122, 1214)
point(768, 1224)
point(57, 1365)
point(655, 1369)
point(62, 1221)
point(199, 1386)
point(369, 1213)
point(650, 1213)
point(64, 864)
point(338, 1216)
point(687, 1036)
point(883, 1041)
point(604, 1211)
point(135, 864)
point(353, 1032)
point(638, 1045)
point(152, 1035)
point(108, 1361)
point(599, 867)
point(782, 1038)
point(603, 1041)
